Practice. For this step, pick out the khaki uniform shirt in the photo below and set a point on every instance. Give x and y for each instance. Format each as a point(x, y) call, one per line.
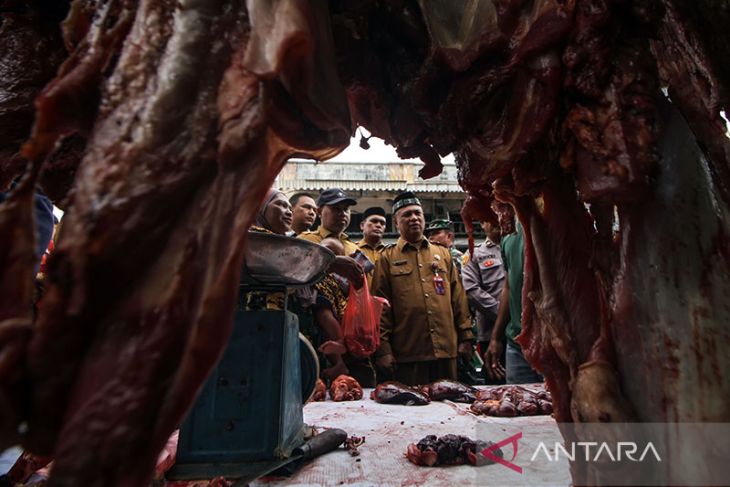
point(420, 324)
point(322, 233)
point(371, 253)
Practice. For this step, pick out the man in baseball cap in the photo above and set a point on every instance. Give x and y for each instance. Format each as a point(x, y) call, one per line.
point(333, 208)
point(333, 196)
point(334, 214)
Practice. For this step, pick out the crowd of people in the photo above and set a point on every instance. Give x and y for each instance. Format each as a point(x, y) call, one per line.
point(444, 305)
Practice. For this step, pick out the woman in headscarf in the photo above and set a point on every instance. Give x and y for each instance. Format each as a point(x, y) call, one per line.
point(275, 214)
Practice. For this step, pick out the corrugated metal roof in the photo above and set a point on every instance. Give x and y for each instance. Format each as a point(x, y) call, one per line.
point(435, 187)
point(395, 160)
point(371, 185)
point(346, 184)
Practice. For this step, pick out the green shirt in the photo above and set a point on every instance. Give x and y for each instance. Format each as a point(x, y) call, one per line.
point(513, 256)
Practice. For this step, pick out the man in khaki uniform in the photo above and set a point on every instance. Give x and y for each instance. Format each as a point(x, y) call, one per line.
point(333, 207)
point(428, 323)
point(373, 228)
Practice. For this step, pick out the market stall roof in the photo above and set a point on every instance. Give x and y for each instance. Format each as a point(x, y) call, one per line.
point(373, 185)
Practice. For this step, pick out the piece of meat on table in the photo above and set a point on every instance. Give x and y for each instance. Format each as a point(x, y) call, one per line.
point(512, 400)
point(392, 392)
point(451, 390)
point(320, 391)
point(345, 388)
point(450, 450)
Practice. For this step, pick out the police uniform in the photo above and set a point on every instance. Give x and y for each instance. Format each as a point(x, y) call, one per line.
point(483, 278)
point(426, 321)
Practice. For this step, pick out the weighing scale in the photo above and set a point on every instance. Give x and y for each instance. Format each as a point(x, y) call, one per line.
point(248, 420)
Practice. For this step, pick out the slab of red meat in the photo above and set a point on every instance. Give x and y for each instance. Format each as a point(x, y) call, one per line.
point(450, 449)
point(183, 142)
point(345, 388)
point(451, 390)
point(31, 52)
point(320, 391)
point(393, 392)
point(187, 110)
point(556, 108)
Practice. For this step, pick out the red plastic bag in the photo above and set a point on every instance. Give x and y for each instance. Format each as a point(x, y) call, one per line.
point(361, 321)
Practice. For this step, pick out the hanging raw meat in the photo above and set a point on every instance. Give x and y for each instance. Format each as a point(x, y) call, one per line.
point(189, 118)
point(169, 119)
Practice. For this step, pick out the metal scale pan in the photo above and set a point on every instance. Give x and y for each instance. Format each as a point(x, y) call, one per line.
point(279, 261)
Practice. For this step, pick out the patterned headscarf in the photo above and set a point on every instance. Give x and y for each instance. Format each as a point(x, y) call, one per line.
point(261, 216)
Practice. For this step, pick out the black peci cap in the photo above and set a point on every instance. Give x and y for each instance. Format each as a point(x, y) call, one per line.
point(406, 198)
point(373, 210)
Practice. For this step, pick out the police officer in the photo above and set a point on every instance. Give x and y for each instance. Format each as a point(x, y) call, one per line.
point(428, 321)
point(483, 277)
point(442, 232)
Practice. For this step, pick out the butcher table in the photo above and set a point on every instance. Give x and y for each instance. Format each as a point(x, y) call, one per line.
point(388, 429)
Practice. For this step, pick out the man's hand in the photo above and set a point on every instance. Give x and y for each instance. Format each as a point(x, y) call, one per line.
point(348, 268)
point(492, 357)
point(466, 351)
point(386, 363)
point(335, 347)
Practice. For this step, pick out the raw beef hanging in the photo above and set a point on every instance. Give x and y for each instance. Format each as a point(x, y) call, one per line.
point(169, 119)
point(188, 118)
point(557, 108)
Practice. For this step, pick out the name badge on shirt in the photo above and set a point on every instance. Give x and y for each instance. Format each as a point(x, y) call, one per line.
point(438, 285)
